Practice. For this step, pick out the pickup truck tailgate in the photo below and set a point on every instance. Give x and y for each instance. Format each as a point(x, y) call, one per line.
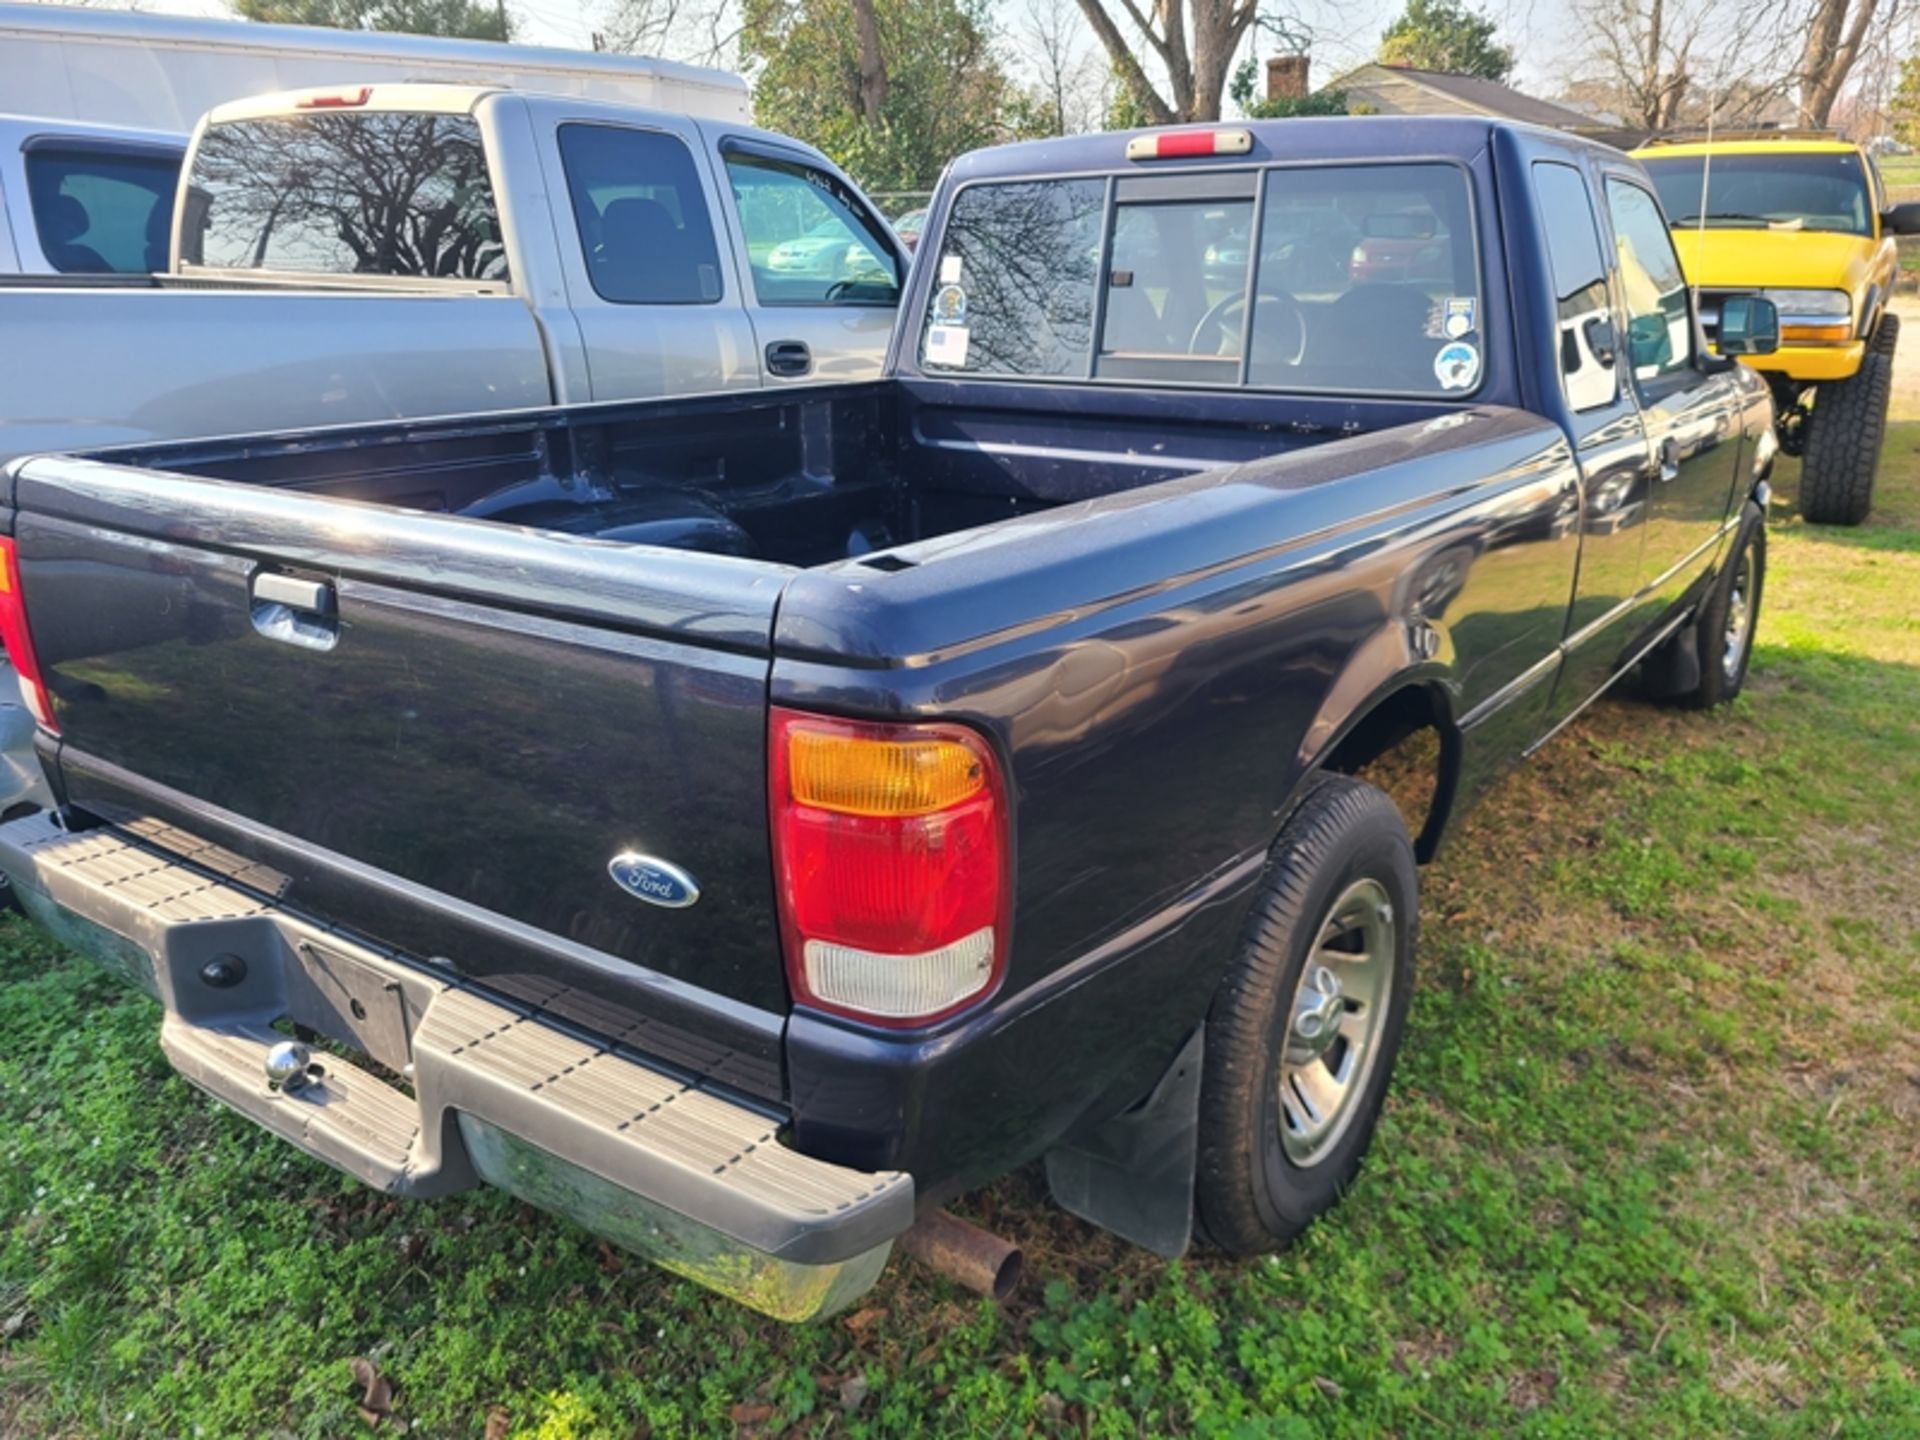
point(434, 732)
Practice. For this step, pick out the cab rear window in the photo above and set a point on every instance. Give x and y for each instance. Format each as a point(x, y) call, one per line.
point(366, 193)
point(1349, 278)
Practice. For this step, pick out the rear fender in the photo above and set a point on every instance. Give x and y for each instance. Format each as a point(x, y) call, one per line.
point(1390, 684)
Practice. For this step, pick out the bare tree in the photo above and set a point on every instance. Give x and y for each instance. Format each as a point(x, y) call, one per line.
point(1664, 63)
point(1070, 86)
point(1195, 42)
point(1839, 33)
point(699, 32)
point(1646, 48)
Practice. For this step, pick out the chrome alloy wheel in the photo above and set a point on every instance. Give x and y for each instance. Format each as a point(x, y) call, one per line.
point(1739, 618)
point(1334, 1023)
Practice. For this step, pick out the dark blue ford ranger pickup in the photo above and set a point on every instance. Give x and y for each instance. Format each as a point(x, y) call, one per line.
point(745, 822)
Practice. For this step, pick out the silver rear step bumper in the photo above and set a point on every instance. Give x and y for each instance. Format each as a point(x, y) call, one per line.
point(447, 1086)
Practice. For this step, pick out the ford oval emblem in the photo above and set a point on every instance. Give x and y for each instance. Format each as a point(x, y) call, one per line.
point(654, 881)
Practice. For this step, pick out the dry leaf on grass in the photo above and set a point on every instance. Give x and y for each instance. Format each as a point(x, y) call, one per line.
point(376, 1394)
point(499, 1423)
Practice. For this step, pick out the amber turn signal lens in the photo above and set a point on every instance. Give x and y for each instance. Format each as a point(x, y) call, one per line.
point(1835, 334)
point(857, 775)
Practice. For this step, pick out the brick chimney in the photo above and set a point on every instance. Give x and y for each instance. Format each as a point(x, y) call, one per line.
point(1287, 77)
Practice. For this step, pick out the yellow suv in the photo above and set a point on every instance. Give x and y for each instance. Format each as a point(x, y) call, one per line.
point(1802, 218)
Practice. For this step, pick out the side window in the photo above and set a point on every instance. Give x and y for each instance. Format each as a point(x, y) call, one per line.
point(1659, 339)
point(644, 228)
point(100, 212)
point(809, 240)
point(368, 192)
point(1579, 286)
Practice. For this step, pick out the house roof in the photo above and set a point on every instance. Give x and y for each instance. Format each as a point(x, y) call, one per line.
point(1489, 97)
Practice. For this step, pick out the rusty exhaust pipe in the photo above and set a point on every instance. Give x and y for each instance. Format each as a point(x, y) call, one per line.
point(964, 1253)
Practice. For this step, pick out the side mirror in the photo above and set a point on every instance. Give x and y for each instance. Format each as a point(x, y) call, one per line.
point(1749, 325)
point(1902, 219)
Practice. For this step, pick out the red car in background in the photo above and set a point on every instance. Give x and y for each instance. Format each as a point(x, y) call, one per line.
point(1401, 246)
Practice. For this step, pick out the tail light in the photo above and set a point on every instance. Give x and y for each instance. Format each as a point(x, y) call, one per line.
point(891, 864)
point(14, 635)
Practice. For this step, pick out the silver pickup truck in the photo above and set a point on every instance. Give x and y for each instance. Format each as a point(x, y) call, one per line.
point(79, 199)
point(386, 252)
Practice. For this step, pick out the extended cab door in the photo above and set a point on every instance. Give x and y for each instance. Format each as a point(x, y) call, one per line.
point(1691, 409)
point(657, 304)
point(1609, 439)
point(823, 270)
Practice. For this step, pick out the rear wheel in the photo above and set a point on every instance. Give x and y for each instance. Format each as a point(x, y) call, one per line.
point(1724, 629)
point(1305, 1028)
point(1842, 458)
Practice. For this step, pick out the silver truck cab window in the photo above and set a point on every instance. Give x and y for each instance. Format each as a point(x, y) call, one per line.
point(1579, 286)
point(643, 222)
point(101, 212)
point(367, 193)
point(809, 242)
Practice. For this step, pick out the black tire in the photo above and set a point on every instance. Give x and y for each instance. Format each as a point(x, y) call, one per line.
point(1736, 595)
point(1253, 1195)
point(1843, 447)
point(1887, 338)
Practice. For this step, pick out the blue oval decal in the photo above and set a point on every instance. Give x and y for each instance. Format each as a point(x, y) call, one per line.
point(654, 881)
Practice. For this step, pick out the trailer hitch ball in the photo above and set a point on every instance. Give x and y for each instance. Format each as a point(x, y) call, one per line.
point(288, 1065)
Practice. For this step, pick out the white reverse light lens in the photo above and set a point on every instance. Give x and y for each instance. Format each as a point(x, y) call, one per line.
point(895, 987)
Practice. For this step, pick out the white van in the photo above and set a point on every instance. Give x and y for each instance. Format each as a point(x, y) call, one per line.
point(163, 72)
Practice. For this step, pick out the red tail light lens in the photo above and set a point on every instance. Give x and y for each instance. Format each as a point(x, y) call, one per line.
point(19, 644)
point(336, 100)
point(890, 859)
point(1190, 144)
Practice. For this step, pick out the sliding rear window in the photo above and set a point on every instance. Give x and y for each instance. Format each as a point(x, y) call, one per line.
point(1343, 278)
point(368, 193)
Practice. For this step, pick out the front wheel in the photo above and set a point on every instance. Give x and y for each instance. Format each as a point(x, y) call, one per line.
point(1304, 1029)
point(1842, 458)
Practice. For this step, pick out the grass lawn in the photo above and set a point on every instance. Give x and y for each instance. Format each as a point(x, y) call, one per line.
point(1899, 169)
point(1647, 1167)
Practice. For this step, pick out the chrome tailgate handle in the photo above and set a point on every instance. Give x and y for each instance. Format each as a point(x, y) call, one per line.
point(295, 611)
point(313, 596)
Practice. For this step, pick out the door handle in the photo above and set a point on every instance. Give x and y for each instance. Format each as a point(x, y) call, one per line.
point(789, 358)
point(295, 611)
point(1669, 459)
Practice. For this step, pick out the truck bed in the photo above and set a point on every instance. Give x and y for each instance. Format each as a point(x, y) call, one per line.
point(829, 474)
point(545, 639)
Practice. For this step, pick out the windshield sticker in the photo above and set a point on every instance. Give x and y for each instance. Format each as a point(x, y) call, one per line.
point(1459, 316)
point(1457, 366)
point(950, 305)
point(950, 270)
point(947, 345)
